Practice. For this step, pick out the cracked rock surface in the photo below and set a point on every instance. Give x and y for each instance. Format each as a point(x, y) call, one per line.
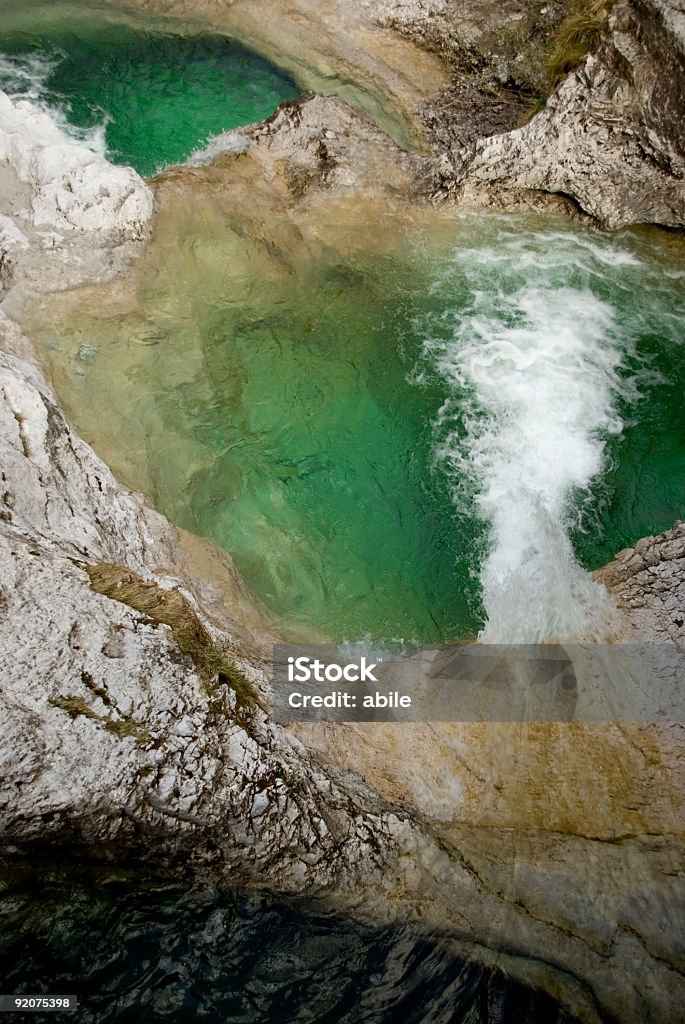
point(66, 214)
point(109, 733)
point(647, 582)
point(555, 851)
point(610, 137)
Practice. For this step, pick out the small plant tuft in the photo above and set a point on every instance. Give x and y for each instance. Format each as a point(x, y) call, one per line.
point(74, 706)
point(171, 608)
point(536, 106)
point(121, 728)
point(579, 33)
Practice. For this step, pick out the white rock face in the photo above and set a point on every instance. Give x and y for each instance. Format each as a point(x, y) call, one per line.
point(72, 188)
point(611, 136)
point(647, 582)
point(108, 733)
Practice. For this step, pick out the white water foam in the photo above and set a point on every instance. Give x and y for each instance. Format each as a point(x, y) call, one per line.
point(232, 143)
point(26, 77)
point(532, 366)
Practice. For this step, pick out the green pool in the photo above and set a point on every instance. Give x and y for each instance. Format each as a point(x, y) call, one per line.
point(402, 447)
point(146, 98)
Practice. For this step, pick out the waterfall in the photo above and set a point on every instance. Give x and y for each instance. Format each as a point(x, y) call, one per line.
point(532, 361)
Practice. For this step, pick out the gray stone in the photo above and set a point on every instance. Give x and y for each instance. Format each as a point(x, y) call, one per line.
point(611, 137)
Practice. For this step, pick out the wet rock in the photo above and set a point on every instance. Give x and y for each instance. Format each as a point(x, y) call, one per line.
point(323, 142)
point(555, 850)
point(72, 216)
point(72, 189)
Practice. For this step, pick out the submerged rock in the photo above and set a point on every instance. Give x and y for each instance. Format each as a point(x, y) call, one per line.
point(112, 733)
point(555, 850)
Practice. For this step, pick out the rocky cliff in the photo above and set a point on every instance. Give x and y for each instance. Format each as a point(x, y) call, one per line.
point(136, 716)
point(647, 583)
point(456, 78)
point(132, 694)
point(116, 737)
point(113, 732)
point(610, 137)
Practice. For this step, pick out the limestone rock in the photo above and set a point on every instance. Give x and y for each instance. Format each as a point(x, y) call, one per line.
point(557, 849)
point(647, 583)
point(72, 188)
point(110, 733)
point(68, 214)
point(494, 51)
point(323, 141)
point(611, 137)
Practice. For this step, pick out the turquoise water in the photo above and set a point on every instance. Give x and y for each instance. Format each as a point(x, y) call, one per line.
point(147, 98)
point(562, 430)
point(404, 449)
point(399, 449)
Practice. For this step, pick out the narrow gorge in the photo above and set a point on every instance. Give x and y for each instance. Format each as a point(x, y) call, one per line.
point(358, 324)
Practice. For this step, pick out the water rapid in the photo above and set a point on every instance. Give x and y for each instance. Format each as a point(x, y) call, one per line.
point(535, 363)
point(130, 91)
point(26, 77)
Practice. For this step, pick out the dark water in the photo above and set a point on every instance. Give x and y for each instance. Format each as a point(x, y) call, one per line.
point(137, 949)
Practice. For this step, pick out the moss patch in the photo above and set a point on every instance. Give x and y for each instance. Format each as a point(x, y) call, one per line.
point(172, 609)
point(74, 706)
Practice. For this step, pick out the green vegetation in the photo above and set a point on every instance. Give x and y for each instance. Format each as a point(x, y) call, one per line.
point(579, 33)
point(74, 706)
point(121, 727)
point(171, 608)
point(536, 106)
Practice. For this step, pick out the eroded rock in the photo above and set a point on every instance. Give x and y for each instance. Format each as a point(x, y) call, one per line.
point(558, 849)
point(647, 582)
point(611, 136)
point(68, 215)
point(110, 732)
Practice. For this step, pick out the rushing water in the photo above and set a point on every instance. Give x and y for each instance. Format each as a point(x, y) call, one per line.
point(400, 448)
point(136, 949)
point(540, 364)
point(149, 98)
point(407, 448)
